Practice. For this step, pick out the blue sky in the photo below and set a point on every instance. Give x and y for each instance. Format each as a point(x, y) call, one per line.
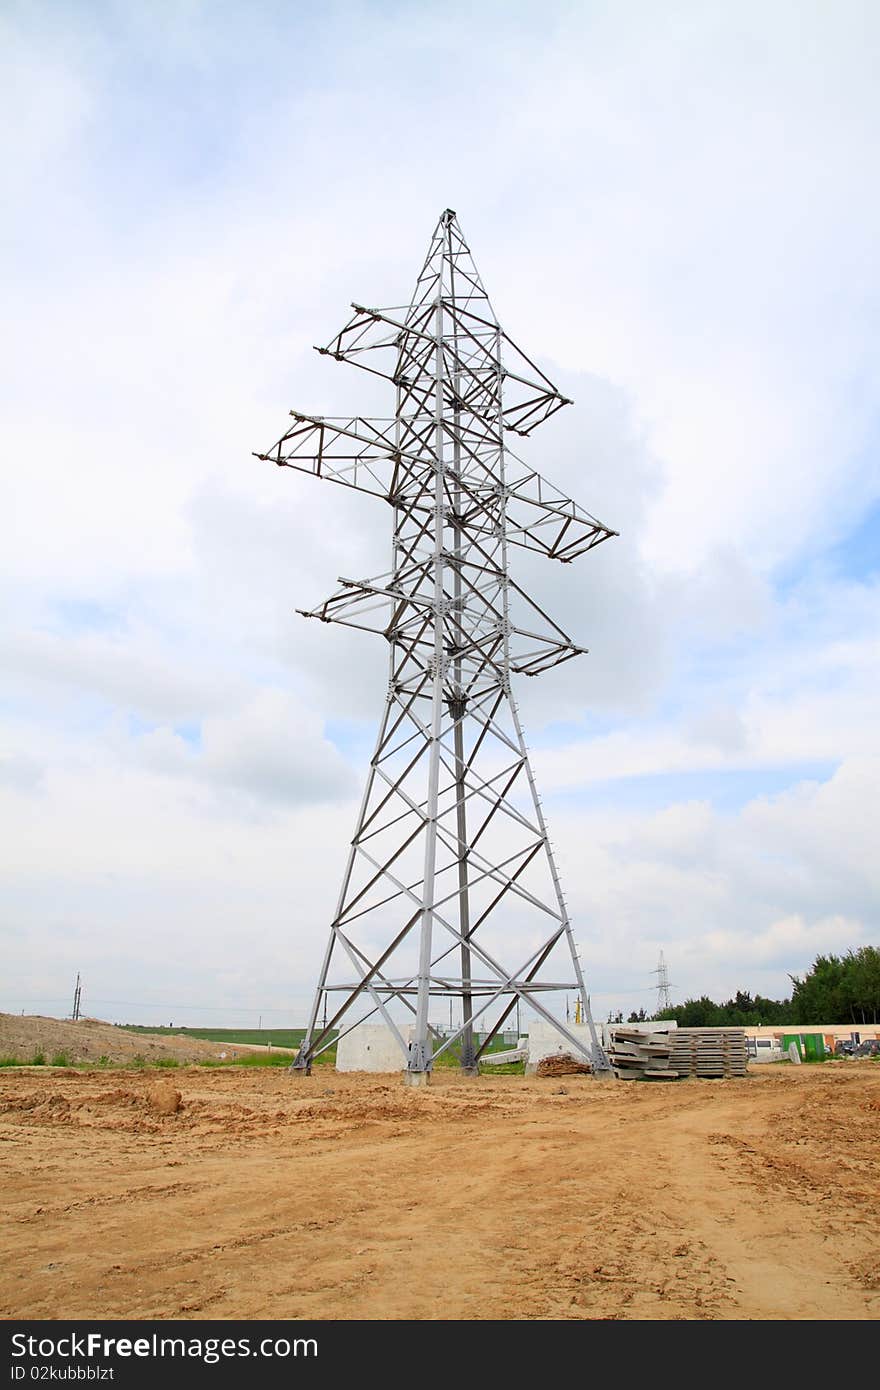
point(674, 211)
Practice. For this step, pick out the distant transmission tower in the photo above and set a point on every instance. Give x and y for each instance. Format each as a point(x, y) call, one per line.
point(663, 999)
point(450, 861)
point(77, 996)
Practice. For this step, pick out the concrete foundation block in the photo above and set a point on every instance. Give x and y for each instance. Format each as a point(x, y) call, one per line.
point(371, 1047)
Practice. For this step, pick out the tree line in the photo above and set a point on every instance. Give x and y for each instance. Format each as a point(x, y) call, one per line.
point(836, 989)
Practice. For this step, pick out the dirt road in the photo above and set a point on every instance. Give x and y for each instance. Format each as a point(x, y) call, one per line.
point(267, 1196)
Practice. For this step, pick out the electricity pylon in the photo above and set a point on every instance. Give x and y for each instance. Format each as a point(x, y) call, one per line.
point(663, 987)
point(450, 867)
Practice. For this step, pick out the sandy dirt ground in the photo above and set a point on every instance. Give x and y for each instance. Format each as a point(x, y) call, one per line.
point(21, 1035)
point(270, 1196)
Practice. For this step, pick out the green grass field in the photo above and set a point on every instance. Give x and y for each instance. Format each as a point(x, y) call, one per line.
point(278, 1037)
point(287, 1038)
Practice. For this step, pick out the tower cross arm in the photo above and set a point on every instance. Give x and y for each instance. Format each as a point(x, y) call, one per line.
point(477, 355)
point(530, 397)
point(541, 518)
point(356, 452)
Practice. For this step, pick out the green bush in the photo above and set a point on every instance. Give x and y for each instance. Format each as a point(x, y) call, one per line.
point(60, 1059)
point(166, 1062)
point(38, 1059)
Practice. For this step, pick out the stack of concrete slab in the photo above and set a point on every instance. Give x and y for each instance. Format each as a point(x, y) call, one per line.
point(708, 1052)
point(664, 1025)
point(637, 1055)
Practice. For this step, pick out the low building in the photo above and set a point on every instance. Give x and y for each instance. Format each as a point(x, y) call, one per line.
point(769, 1043)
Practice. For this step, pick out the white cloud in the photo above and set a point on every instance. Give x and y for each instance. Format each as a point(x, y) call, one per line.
point(21, 772)
point(273, 750)
point(132, 670)
point(737, 900)
point(790, 939)
point(719, 726)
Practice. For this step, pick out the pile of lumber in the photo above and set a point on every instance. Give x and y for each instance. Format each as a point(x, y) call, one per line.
point(708, 1052)
point(562, 1064)
point(639, 1056)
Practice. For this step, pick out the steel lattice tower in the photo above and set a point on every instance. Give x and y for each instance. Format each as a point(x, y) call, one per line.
point(664, 1000)
point(450, 862)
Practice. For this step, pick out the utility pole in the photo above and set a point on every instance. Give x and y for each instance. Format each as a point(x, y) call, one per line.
point(77, 996)
point(450, 865)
